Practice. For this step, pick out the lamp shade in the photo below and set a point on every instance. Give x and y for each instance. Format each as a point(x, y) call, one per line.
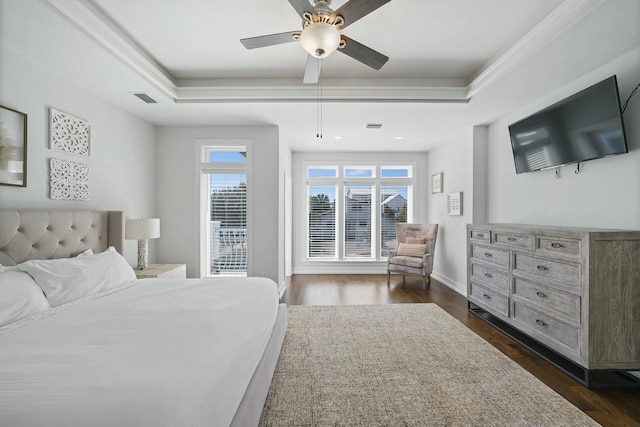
point(143, 228)
point(320, 39)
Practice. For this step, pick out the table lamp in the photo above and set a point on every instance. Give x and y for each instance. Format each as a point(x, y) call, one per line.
point(142, 229)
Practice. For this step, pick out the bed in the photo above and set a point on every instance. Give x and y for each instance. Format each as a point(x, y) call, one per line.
point(94, 346)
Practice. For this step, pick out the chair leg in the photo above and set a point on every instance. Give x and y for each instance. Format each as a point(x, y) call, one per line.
point(388, 278)
point(403, 282)
point(424, 282)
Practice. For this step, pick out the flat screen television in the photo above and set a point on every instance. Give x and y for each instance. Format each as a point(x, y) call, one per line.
point(585, 126)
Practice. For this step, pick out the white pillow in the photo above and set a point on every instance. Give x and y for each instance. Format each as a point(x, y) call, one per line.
point(20, 297)
point(88, 252)
point(67, 279)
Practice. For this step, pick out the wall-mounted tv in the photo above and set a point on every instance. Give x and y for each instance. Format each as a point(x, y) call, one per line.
point(585, 126)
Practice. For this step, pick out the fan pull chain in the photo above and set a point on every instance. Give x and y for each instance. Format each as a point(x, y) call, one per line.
point(319, 102)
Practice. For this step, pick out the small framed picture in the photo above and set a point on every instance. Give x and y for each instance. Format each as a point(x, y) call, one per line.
point(454, 203)
point(13, 147)
point(436, 183)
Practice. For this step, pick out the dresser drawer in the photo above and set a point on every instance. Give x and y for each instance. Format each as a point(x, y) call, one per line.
point(561, 275)
point(547, 299)
point(489, 299)
point(489, 276)
point(555, 246)
point(513, 239)
point(498, 257)
point(481, 235)
point(549, 329)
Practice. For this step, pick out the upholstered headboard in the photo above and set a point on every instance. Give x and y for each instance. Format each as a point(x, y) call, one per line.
point(41, 234)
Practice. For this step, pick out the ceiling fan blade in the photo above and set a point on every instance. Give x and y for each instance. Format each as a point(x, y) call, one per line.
point(269, 40)
point(353, 10)
point(362, 53)
point(312, 70)
point(301, 6)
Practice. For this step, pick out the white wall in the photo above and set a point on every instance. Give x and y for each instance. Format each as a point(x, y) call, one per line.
point(122, 166)
point(285, 222)
point(178, 195)
point(455, 160)
point(300, 266)
point(604, 193)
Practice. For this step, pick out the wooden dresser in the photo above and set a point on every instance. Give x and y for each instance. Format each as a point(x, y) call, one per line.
point(576, 291)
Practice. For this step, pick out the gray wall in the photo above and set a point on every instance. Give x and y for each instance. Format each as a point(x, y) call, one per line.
point(122, 162)
point(604, 193)
point(455, 160)
point(178, 195)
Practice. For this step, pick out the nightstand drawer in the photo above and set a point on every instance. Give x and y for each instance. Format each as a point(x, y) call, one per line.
point(163, 271)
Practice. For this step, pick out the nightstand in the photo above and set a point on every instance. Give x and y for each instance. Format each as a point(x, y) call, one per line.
point(163, 271)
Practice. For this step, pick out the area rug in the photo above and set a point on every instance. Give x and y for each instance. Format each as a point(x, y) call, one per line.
point(402, 365)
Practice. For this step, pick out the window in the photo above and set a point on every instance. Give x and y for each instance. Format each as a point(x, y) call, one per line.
point(343, 224)
point(322, 221)
point(224, 217)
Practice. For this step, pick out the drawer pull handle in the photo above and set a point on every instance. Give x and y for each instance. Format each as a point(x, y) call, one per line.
point(540, 294)
point(540, 323)
point(486, 296)
point(511, 239)
point(556, 245)
point(542, 268)
point(487, 275)
point(488, 254)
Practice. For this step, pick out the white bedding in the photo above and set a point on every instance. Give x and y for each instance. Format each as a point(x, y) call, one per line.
point(164, 352)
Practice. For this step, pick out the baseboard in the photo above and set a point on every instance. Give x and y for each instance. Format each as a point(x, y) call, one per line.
point(459, 288)
point(343, 268)
point(283, 286)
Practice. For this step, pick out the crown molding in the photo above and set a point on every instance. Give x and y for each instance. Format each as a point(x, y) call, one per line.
point(296, 93)
point(88, 18)
point(563, 17)
point(91, 20)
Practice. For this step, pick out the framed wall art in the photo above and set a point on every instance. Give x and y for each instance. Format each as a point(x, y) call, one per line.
point(454, 203)
point(436, 183)
point(69, 133)
point(13, 147)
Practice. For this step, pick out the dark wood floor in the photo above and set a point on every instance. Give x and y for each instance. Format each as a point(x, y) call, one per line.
point(609, 407)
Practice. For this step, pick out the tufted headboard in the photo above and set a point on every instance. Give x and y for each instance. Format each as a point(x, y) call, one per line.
point(42, 234)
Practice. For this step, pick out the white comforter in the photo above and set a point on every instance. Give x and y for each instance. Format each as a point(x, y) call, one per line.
point(176, 352)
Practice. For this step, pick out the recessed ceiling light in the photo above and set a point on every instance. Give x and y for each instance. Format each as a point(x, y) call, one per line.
point(337, 137)
point(398, 137)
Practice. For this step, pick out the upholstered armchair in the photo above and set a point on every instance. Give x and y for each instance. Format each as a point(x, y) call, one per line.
point(414, 254)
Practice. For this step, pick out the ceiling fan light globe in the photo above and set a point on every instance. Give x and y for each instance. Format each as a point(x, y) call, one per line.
point(320, 39)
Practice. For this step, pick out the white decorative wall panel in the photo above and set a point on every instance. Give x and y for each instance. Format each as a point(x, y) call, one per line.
point(69, 133)
point(68, 180)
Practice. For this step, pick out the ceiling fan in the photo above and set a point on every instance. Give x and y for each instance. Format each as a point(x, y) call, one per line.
point(320, 35)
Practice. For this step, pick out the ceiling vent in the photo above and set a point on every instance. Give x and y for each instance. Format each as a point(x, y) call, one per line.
point(373, 126)
point(146, 98)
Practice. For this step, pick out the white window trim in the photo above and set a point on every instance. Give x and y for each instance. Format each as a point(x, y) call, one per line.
point(341, 181)
point(202, 166)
